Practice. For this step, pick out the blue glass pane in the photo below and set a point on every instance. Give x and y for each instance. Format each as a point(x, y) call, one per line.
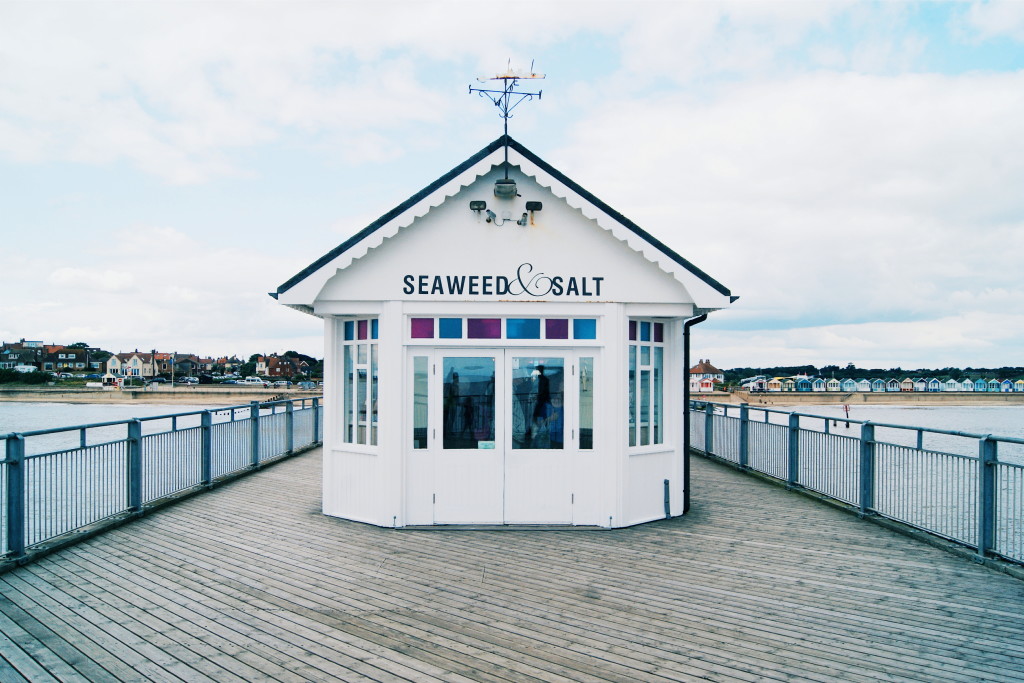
point(350, 329)
point(451, 328)
point(645, 331)
point(373, 329)
point(522, 328)
point(584, 328)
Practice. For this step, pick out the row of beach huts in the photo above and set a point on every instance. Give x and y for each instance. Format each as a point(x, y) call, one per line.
point(801, 383)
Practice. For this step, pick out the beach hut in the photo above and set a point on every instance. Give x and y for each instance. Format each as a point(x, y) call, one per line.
point(907, 384)
point(993, 385)
point(1006, 385)
point(863, 385)
point(774, 384)
point(980, 385)
point(818, 384)
point(879, 385)
point(920, 384)
point(503, 348)
point(951, 385)
point(834, 385)
point(1018, 385)
point(892, 385)
point(967, 385)
point(934, 385)
point(788, 384)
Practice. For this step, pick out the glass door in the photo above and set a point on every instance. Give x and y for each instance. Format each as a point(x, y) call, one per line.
point(468, 455)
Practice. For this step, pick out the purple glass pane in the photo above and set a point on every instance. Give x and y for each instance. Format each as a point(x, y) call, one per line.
point(362, 329)
point(659, 332)
point(422, 328)
point(556, 328)
point(632, 330)
point(483, 328)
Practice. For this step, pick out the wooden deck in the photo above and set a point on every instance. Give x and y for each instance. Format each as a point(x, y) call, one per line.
point(252, 583)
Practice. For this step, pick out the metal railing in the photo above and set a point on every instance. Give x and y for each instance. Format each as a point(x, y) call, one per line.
point(54, 483)
point(965, 487)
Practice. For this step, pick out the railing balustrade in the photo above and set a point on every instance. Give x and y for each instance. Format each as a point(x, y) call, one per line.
point(964, 487)
point(56, 482)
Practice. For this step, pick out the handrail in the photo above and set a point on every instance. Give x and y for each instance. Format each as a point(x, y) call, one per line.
point(56, 497)
point(974, 500)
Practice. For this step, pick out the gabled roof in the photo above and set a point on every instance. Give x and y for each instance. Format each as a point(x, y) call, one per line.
point(464, 174)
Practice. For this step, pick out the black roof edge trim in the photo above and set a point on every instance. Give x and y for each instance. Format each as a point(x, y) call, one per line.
point(384, 219)
point(654, 241)
point(461, 168)
point(733, 299)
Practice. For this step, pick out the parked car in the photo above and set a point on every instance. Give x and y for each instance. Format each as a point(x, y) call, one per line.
point(307, 386)
point(158, 380)
point(282, 383)
point(188, 380)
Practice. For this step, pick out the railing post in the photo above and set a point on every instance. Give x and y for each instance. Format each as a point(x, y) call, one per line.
point(867, 468)
point(793, 451)
point(15, 457)
point(289, 411)
point(986, 495)
point(207, 431)
point(316, 420)
point(135, 465)
point(709, 428)
point(254, 425)
point(744, 435)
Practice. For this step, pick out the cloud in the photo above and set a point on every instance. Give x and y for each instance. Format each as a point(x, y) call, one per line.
point(840, 197)
point(104, 280)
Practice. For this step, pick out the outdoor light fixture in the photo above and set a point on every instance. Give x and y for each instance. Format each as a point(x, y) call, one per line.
point(490, 216)
point(534, 206)
point(477, 205)
point(505, 188)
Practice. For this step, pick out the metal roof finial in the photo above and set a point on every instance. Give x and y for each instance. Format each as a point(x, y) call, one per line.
point(508, 98)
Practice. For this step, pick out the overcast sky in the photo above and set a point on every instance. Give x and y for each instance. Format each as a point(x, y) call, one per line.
point(853, 170)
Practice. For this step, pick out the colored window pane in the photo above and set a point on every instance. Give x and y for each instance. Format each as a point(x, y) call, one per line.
point(632, 330)
point(483, 328)
point(350, 330)
point(373, 329)
point(522, 328)
point(422, 328)
point(659, 332)
point(556, 328)
point(584, 328)
point(362, 329)
point(450, 328)
point(645, 331)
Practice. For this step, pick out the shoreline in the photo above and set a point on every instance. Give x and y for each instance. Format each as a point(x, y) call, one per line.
point(204, 395)
point(903, 398)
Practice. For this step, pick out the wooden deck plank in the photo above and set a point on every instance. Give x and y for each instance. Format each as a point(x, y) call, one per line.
point(756, 583)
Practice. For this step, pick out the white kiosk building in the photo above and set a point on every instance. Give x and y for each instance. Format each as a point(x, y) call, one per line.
point(503, 348)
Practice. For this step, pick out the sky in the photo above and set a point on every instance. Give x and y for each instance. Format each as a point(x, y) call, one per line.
point(854, 171)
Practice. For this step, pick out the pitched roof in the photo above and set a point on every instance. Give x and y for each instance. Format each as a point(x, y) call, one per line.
point(705, 368)
point(420, 202)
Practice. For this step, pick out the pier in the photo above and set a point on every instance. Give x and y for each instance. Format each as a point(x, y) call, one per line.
point(251, 582)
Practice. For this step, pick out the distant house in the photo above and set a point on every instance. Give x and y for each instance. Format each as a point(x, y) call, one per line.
point(920, 384)
point(907, 384)
point(758, 384)
point(705, 370)
point(132, 364)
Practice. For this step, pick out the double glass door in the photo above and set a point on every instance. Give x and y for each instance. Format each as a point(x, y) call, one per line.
point(504, 429)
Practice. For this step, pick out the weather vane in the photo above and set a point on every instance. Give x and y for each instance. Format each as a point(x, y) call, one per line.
point(508, 98)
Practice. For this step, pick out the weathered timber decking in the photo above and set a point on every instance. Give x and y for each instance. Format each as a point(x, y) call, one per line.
point(250, 582)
